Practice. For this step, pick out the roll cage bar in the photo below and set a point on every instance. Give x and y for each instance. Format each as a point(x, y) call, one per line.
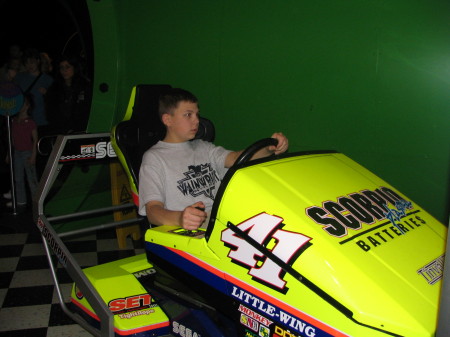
point(67, 151)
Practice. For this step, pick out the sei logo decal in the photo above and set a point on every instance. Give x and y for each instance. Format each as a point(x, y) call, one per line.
point(131, 303)
point(266, 230)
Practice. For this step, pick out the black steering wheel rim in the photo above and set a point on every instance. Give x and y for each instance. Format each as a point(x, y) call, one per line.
point(248, 153)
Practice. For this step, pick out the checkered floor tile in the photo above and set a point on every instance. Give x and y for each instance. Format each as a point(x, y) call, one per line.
point(28, 301)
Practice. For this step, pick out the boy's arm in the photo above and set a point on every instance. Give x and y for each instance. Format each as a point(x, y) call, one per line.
point(265, 152)
point(190, 218)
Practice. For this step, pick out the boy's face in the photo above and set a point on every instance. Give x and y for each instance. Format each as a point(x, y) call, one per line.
point(182, 125)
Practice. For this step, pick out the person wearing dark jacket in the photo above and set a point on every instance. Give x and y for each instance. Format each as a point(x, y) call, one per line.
point(69, 98)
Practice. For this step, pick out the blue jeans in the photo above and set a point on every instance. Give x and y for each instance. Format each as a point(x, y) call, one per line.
point(21, 168)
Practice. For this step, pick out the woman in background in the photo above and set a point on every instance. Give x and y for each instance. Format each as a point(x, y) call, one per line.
point(69, 98)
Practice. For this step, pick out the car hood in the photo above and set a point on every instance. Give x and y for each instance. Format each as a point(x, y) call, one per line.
point(361, 244)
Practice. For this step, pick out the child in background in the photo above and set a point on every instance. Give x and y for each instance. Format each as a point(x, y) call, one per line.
point(24, 143)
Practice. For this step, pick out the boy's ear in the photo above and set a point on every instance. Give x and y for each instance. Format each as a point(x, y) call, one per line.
point(166, 119)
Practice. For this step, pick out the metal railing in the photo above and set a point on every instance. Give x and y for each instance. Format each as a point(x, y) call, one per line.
point(69, 150)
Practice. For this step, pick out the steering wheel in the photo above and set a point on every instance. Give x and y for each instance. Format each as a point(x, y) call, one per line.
point(255, 147)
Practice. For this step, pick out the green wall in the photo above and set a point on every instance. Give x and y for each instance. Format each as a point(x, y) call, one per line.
point(370, 79)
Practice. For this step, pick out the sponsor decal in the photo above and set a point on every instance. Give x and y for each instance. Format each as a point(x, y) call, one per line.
point(254, 321)
point(261, 319)
point(280, 332)
point(145, 272)
point(394, 215)
point(266, 230)
point(88, 150)
point(52, 242)
point(264, 331)
point(379, 235)
point(276, 314)
point(249, 322)
point(433, 271)
point(132, 314)
point(352, 211)
point(132, 303)
point(103, 149)
point(183, 331)
point(99, 150)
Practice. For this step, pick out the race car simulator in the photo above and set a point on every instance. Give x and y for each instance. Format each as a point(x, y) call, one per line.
point(303, 244)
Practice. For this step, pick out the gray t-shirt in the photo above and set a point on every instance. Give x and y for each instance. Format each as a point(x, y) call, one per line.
point(180, 174)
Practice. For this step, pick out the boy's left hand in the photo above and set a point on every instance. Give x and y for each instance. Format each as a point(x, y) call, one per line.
point(283, 143)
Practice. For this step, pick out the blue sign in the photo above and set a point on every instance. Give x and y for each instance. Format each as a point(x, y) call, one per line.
point(11, 99)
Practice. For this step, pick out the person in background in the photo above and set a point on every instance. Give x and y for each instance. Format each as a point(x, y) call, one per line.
point(69, 98)
point(15, 52)
point(13, 65)
point(9, 71)
point(46, 63)
point(24, 142)
point(33, 81)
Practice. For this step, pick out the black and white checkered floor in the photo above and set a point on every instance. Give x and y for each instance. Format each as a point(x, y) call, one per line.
point(29, 304)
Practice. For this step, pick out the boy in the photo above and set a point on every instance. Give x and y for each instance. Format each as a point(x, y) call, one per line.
point(179, 177)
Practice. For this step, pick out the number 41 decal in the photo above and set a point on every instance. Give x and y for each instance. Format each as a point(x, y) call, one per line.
point(264, 228)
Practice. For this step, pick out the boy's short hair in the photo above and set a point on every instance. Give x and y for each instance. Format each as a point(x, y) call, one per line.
point(168, 101)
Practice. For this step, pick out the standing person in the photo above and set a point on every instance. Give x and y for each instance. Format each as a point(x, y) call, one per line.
point(69, 98)
point(33, 81)
point(24, 142)
point(14, 62)
point(15, 51)
point(11, 68)
point(46, 63)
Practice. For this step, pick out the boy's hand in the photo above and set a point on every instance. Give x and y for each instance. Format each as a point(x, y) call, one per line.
point(283, 143)
point(193, 216)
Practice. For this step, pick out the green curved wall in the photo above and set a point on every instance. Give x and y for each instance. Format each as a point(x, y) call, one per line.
point(370, 79)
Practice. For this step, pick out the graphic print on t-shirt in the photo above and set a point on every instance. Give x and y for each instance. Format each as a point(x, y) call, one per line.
point(200, 179)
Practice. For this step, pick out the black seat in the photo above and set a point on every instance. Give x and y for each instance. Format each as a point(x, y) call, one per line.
point(142, 128)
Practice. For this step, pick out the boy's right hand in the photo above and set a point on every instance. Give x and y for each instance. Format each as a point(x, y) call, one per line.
point(193, 216)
